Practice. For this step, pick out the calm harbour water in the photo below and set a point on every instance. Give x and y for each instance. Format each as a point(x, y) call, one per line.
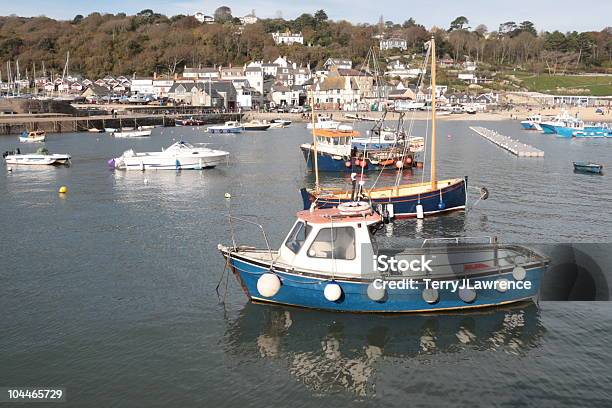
point(110, 290)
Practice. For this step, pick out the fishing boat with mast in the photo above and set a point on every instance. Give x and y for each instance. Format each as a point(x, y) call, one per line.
point(383, 148)
point(422, 199)
point(325, 262)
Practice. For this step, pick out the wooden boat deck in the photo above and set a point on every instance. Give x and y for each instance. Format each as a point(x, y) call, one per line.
point(392, 191)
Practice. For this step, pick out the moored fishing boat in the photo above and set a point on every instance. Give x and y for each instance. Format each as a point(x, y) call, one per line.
point(179, 156)
point(326, 262)
point(588, 167)
point(532, 122)
point(41, 157)
point(255, 125)
point(323, 122)
point(124, 133)
point(282, 122)
point(33, 136)
point(227, 127)
point(345, 150)
point(189, 122)
point(402, 200)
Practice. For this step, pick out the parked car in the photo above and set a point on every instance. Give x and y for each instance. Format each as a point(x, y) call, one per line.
point(282, 109)
point(297, 109)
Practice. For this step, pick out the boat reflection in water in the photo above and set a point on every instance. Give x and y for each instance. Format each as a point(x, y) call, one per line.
point(330, 352)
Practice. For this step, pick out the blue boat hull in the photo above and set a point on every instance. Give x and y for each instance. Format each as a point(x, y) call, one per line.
point(527, 126)
point(563, 131)
point(452, 197)
point(307, 292)
point(593, 131)
point(548, 128)
point(327, 163)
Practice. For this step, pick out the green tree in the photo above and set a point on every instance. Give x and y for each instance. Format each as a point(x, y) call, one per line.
point(460, 23)
point(320, 16)
point(223, 14)
point(528, 27)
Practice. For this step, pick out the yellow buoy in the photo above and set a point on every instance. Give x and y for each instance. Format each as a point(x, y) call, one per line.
point(228, 195)
point(63, 190)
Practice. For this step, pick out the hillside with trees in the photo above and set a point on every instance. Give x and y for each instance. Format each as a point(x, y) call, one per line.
point(120, 44)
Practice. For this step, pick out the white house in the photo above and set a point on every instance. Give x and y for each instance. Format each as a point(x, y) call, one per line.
point(301, 75)
point(249, 18)
point(339, 63)
point(281, 62)
point(394, 42)
point(162, 86)
point(232, 73)
point(203, 18)
point(288, 38)
point(269, 69)
point(142, 86)
point(201, 73)
point(255, 76)
point(284, 95)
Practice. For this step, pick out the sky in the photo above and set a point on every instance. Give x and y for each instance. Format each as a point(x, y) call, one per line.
point(549, 15)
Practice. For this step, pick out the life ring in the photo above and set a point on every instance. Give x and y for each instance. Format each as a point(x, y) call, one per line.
point(355, 208)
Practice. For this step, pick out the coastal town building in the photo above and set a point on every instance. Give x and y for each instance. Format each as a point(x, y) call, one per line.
point(345, 89)
point(255, 76)
point(249, 18)
point(288, 38)
point(201, 72)
point(203, 18)
point(338, 63)
point(283, 95)
point(393, 43)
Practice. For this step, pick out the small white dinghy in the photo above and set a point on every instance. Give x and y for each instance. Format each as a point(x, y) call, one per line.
point(180, 156)
point(41, 157)
point(124, 133)
point(34, 136)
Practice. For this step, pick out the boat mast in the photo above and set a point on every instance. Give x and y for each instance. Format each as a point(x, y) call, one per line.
point(434, 181)
point(314, 143)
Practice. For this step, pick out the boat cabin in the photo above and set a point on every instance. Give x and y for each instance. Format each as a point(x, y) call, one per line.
point(335, 136)
point(331, 239)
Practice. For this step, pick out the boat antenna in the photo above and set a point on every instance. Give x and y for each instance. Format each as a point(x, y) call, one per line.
point(434, 182)
point(314, 143)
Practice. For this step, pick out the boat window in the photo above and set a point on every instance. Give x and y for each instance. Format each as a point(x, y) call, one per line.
point(298, 235)
point(334, 243)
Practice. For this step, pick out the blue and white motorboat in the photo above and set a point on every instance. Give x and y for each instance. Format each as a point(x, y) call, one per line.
point(532, 122)
point(564, 119)
point(227, 127)
point(597, 130)
point(330, 260)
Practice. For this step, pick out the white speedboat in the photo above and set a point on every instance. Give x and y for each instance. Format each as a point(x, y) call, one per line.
point(281, 122)
point(41, 157)
point(110, 130)
point(95, 130)
point(255, 125)
point(132, 133)
point(227, 127)
point(180, 156)
point(34, 136)
point(324, 122)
